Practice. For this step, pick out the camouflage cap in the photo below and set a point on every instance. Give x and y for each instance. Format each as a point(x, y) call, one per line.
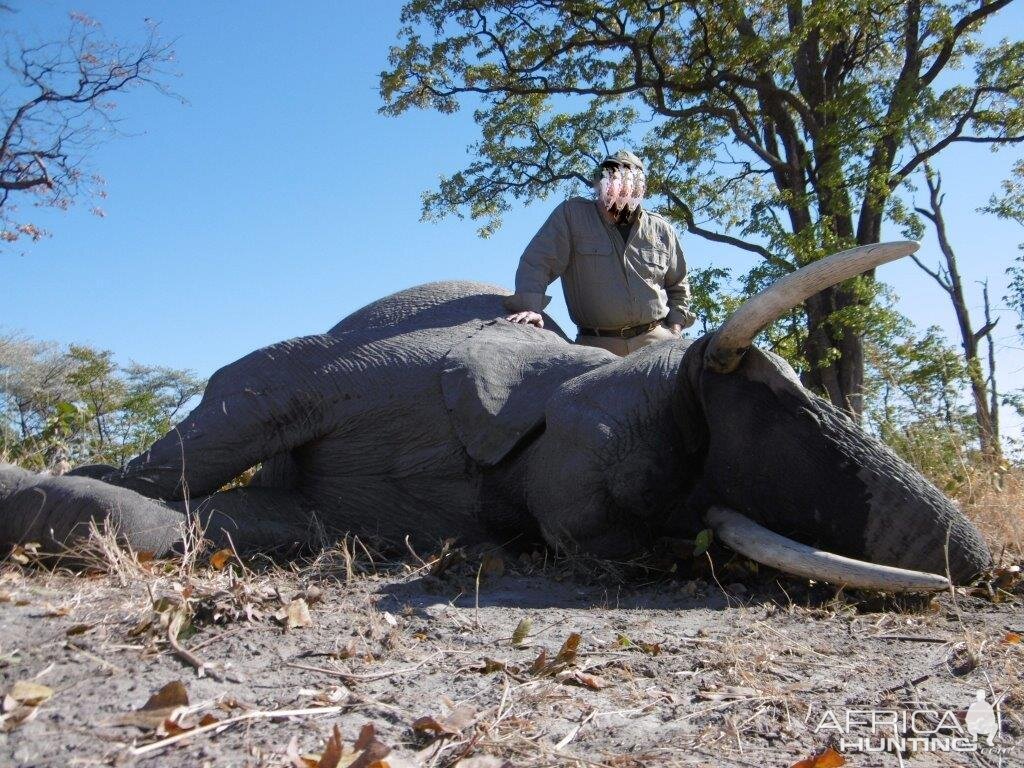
point(624, 157)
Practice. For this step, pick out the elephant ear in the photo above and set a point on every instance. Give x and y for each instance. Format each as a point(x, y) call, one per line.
point(497, 382)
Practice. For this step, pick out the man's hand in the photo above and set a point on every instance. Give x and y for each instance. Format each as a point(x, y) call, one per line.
point(676, 328)
point(529, 318)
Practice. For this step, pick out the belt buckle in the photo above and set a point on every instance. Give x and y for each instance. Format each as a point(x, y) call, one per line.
point(622, 333)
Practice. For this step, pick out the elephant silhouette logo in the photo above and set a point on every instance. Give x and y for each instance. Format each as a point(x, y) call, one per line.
point(982, 719)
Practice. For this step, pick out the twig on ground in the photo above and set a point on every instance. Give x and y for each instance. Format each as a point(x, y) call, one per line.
point(218, 636)
point(113, 668)
point(184, 654)
point(222, 724)
point(408, 545)
point(905, 684)
point(357, 678)
point(238, 558)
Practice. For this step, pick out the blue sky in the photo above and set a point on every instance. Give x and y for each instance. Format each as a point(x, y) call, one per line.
point(277, 200)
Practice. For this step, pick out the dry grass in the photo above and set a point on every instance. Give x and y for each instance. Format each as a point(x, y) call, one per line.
point(996, 505)
point(674, 667)
point(666, 673)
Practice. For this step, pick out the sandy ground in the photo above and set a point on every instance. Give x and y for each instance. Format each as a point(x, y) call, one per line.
point(762, 671)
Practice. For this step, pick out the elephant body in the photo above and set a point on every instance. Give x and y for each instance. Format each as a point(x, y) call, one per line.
point(423, 416)
point(403, 424)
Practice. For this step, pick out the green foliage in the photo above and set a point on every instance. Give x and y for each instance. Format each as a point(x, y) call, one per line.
point(750, 113)
point(1009, 204)
point(789, 130)
point(915, 404)
point(75, 405)
point(712, 301)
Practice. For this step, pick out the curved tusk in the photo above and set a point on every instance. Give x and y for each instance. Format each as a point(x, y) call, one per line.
point(737, 333)
point(758, 543)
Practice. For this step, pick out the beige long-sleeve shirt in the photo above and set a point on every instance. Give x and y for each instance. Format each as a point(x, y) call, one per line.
point(608, 283)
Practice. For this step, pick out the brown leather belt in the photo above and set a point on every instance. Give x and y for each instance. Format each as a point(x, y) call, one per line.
point(621, 333)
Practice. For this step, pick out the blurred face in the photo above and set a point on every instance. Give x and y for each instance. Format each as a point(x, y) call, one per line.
point(620, 189)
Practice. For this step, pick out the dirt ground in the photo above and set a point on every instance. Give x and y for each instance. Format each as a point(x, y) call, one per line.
point(474, 661)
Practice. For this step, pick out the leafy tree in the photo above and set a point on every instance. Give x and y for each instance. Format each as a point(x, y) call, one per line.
point(1009, 204)
point(56, 104)
point(983, 387)
point(784, 129)
point(913, 400)
point(712, 301)
point(62, 407)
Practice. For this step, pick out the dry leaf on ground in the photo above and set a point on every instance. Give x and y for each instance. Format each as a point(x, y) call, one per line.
point(23, 554)
point(576, 677)
point(827, 759)
point(521, 631)
point(334, 749)
point(160, 710)
point(652, 649)
point(295, 615)
point(451, 724)
point(567, 653)
point(220, 558)
point(30, 694)
point(22, 703)
point(371, 750)
point(489, 665)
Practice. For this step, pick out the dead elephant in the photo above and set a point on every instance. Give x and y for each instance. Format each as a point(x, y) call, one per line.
point(420, 415)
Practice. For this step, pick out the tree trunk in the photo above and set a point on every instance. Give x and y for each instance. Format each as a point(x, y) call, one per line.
point(840, 378)
point(993, 404)
point(985, 401)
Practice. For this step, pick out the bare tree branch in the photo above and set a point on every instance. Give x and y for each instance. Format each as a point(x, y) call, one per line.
point(62, 96)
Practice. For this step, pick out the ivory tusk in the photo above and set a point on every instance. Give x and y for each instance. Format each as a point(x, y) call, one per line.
point(758, 543)
point(737, 333)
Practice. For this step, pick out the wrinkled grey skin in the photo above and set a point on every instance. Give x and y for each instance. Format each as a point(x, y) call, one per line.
point(423, 416)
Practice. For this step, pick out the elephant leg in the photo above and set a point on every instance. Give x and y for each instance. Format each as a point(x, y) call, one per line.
point(281, 471)
point(13, 479)
point(57, 511)
point(265, 404)
point(258, 520)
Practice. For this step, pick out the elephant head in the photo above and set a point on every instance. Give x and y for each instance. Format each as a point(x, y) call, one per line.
point(780, 474)
point(846, 492)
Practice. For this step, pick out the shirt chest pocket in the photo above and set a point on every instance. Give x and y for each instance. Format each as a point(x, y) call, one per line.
point(596, 261)
point(653, 263)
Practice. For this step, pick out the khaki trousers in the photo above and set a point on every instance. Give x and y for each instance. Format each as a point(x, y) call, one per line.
point(623, 347)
